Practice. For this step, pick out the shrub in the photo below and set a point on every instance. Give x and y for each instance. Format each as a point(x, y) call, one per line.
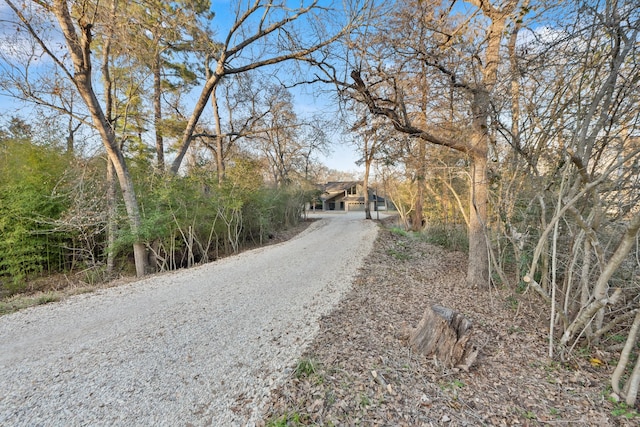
point(29, 205)
point(453, 238)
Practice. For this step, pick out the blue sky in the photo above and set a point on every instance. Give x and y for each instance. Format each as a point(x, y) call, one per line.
point(342, 156)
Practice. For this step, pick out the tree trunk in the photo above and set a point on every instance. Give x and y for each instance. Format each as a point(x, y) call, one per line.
point(418, 213)
point(157, 110)
point(625, 356)
point(112, 224)
point(79, 46)
point(131, 205)
point(111, 199)
point(219, 140)
point(201, 103)
point(368, 157)
point(478, 267)
point(445, 334)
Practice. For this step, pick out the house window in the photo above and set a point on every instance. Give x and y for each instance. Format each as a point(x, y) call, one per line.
point(352, 191)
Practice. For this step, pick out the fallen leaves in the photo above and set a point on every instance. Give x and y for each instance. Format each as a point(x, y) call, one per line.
point(369, 376)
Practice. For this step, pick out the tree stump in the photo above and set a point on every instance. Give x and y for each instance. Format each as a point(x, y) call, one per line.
point(444, 333)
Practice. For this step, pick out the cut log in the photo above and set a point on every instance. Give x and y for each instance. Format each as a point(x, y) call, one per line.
point(444, 333)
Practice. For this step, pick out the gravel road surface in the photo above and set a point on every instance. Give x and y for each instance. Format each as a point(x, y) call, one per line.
point(202, 346)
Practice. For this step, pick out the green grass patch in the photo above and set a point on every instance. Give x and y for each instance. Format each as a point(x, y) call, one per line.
point(20, 302)
point(399, 231)
point(452, 385)
point(306, 367)
point(289, 419)
point(511, 302)
point(623, 410)
point(364, 400)
point(450, 238)
point(618, 338)
point(400, 256)
point(48, 298)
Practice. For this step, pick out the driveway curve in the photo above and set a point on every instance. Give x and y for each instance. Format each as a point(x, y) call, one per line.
point(202, 346)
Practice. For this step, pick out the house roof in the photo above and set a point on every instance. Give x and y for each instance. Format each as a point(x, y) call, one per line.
point(344, 199)
point(334, 189)
point(339, 186)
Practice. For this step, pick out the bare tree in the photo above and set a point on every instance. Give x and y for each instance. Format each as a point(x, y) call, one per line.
point(262, 27)
point(278, 137)
point(569, 184)
point(418, 38)
point(76, 27)
point(372, 135)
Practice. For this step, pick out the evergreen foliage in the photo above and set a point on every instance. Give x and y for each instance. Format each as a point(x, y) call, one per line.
point(53, 213)
point(29, 204)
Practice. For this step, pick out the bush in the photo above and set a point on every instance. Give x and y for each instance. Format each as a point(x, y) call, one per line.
point(54, 215)
point(193, 219)
point(29, 206)
point(453, 238)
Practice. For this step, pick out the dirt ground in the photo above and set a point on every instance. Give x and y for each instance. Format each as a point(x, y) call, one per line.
point(360, 370)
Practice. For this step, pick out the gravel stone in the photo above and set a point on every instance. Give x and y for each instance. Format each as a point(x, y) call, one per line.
point(203, 346)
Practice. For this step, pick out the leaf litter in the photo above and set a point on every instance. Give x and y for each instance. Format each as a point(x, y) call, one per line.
point(365, 373)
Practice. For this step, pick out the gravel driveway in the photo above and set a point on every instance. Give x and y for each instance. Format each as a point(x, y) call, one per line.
point(195, 347)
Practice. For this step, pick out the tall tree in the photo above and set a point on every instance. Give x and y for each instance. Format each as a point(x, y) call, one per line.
point(278, 137)
point(371, 134)
point(265, 33)
point(157, 31)
point(461, 53)
point(76, 23)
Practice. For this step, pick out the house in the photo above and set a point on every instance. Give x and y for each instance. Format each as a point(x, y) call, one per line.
point(346, 196)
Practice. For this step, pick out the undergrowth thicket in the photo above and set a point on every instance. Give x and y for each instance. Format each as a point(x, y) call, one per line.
point(54, 215)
